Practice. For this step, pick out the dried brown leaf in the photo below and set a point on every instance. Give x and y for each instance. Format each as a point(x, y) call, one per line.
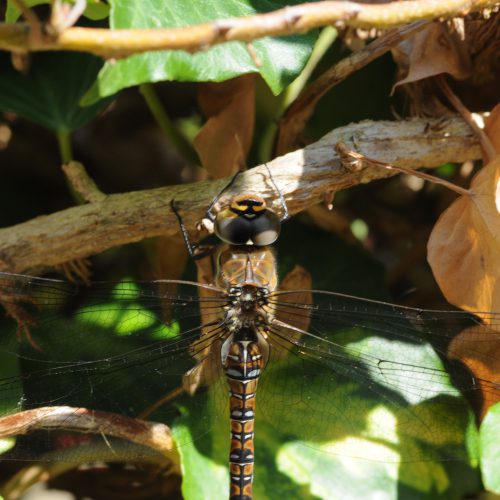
point(168, 255)
point(431, 52)
point(224, 141)
point(204, 373)
point(482, 361)
point(297, 279)
point(492, 128)
point(464, 246)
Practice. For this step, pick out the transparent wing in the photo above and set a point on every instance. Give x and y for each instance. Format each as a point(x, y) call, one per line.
point(111, 347)
point(367, 378)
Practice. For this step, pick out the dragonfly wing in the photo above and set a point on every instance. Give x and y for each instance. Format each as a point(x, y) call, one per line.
point(370, 372)
point(107, 348)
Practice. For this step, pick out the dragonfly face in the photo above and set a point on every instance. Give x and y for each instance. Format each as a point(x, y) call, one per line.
point(348, 376)
point(247, 221)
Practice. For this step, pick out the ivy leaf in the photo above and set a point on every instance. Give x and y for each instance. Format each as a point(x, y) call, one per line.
point(282, 59)
point(490, 452)
point(51, 91)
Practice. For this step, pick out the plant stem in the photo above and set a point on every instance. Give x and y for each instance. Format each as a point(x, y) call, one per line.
point(66, 152)
point(65, 148)
point(167, 127)
point(325, 40)
point(288, 20)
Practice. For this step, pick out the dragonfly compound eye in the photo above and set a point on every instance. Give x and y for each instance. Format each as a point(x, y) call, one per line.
point(266, 229)
point(247, 224)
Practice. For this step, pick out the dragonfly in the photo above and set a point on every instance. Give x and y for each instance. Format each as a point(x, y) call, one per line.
point(320, 366)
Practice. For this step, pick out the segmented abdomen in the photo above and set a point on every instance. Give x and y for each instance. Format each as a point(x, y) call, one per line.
point(243, 367)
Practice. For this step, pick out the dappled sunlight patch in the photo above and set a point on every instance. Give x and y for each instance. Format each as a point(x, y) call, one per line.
point(424, 384)
point(127, 319)
point(6, 444)
point(123, 320)
point(332, 473)
point(382, 424)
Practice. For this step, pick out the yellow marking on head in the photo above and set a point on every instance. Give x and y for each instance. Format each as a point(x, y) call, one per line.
point(238, 207)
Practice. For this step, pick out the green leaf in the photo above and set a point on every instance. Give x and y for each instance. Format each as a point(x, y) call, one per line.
point(94, 10)
point(12, 13)
point(49, 94)
point(490, 449)
point(282, 59)
point(124, 320)
point(214, 481)
point(10, 368)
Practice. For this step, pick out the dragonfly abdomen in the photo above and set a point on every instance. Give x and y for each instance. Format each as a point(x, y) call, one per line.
point(243, 366)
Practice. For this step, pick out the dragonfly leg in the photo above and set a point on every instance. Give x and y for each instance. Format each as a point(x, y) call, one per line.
point(209, 213)
point(285, 215)
point(195, 250)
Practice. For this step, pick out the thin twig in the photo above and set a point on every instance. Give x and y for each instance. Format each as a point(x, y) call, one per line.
point(27, 13)
point(294, 120)
point(159, 113)
point(488, 148)
point(82, 183)
point(64, 15)
point(355, 161)
point(291, 19)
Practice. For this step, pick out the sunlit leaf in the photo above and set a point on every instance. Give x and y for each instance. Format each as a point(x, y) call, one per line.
point(281, 59)
point(12, 14)
point(95, 9)
point(490, 451)
point(214, 482)
point(464, 246)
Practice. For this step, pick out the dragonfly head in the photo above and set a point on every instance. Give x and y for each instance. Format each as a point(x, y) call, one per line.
point(247, 221)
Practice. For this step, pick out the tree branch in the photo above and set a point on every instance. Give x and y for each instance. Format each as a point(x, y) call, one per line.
point(293, 121)
point(303, 176)
point(294, 19)
point(151, 434)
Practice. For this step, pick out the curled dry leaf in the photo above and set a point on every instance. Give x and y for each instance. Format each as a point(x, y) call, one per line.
point(431, 52)
point(492, 128)
point(168, 257)
point(464, 246)
point(297, 279)
point(464, 254)
point(483, 361)
point(202, 375)
point(224, 141)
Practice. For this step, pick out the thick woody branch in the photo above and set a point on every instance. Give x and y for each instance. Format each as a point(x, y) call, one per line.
point(151, 434)
point(294, 19)
point(303, 176)
point(155, 436)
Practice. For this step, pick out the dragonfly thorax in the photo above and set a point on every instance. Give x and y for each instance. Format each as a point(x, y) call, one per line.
point(246, 307)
